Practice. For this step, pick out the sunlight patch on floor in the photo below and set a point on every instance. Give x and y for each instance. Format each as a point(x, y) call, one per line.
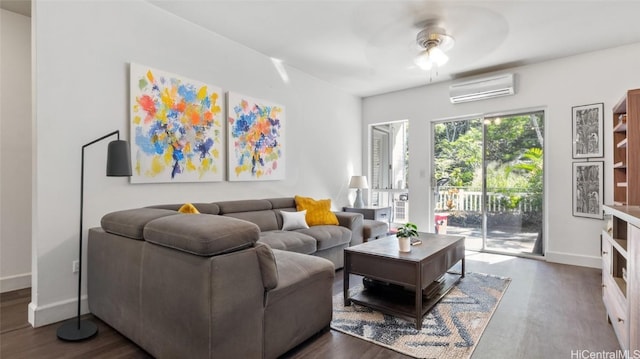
point(488, 258)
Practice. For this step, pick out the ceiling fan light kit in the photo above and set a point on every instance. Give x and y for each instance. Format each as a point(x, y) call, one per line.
point(434, 56)
point(435, 42)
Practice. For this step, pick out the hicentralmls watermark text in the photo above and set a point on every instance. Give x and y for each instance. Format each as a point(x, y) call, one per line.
point(617, 354)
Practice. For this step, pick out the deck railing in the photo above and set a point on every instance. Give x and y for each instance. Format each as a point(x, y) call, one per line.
point(469, 199)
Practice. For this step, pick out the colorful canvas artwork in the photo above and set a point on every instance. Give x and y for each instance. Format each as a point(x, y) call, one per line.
point(176, 128)
point(255, 139)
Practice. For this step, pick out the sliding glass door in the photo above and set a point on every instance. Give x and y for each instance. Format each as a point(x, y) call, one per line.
point(457, 179)
point(488, 181)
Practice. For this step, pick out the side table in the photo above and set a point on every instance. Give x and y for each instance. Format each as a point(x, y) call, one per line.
point(376, 213)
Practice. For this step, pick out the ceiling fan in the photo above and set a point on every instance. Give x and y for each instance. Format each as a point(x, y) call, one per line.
point(434, 42)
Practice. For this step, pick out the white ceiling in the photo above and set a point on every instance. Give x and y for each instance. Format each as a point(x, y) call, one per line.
point(367, 47)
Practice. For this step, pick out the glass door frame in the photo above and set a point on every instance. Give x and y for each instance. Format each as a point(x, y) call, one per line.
point(481, 118)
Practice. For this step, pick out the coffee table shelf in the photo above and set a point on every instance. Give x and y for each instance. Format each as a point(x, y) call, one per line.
point(402, 302)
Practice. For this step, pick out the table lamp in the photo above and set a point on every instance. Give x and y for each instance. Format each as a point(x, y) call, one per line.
point(358, 182)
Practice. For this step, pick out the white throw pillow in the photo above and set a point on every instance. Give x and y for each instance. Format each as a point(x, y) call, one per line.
point(294, 220)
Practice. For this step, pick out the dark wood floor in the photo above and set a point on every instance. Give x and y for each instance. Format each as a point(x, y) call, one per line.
point(548, 311)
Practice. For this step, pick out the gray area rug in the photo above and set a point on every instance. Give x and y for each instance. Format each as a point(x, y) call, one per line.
point(450, 330)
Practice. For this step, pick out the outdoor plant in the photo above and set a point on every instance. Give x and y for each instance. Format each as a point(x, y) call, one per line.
point(407, 230)
point(450, 204)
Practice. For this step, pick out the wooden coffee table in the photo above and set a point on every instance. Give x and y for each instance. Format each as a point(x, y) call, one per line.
point(413, 282)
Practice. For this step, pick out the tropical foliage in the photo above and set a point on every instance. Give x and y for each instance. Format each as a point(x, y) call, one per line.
point(513, 154)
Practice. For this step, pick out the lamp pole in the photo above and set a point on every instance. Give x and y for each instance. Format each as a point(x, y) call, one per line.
point(77, 330)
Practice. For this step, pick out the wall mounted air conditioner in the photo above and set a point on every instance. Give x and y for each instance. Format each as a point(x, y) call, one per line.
point(481, 89)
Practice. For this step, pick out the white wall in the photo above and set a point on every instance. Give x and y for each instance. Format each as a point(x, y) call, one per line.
point(556, 86)
point(15, 156)
point(82, 92)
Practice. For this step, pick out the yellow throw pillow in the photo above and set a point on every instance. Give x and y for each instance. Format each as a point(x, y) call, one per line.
point(188, 208)
point(318, 212)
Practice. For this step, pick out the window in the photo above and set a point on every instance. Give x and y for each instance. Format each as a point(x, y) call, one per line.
point(390, 168)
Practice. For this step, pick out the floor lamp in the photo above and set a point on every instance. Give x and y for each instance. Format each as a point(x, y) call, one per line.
point(118, 165)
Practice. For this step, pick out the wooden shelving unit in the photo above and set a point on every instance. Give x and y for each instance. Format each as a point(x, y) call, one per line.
point(626, 149)
point(621, 234)
point(621, 273)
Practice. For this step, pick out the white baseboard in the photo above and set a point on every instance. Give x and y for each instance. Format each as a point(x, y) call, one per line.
point(572, 259)
point(56, 312)
point(15, 282)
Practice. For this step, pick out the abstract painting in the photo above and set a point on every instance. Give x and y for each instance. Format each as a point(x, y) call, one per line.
point(256, 139)
point(588, 194)
point(176, 128)
point(588, 130)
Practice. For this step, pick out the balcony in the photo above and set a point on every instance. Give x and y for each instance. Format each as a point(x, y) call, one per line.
point(514, 218)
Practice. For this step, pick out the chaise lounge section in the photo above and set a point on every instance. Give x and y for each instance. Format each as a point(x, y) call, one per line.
point(201, 286)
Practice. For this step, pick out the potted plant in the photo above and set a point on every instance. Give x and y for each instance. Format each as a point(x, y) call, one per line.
point(404, 234)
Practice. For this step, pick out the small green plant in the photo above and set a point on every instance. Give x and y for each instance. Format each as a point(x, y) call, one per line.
point(408, 230)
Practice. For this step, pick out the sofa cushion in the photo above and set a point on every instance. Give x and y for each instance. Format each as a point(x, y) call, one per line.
point(293, 220)
point(247, 205)
point(188, 208)
point(318, 211)
point(293, 241)
point(208, 208)
point(284, 202)
point(130, 223)
point(285, 209)
point(328, 236)
point(202, 234)
point(265, 219)
point(301, 303)
point(297, 271)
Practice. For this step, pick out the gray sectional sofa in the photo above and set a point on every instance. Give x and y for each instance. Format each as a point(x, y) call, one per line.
point(225, 283)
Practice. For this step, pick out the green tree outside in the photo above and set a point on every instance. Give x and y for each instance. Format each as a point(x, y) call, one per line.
point(513, 153)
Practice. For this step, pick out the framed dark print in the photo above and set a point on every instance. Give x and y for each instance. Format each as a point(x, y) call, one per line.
point(588, 130)
point(588, 191)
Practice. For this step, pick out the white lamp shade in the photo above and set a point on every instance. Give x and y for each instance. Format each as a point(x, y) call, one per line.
point(358, 182)
point(423, 60)
point(438, 56)
point(433, 56)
